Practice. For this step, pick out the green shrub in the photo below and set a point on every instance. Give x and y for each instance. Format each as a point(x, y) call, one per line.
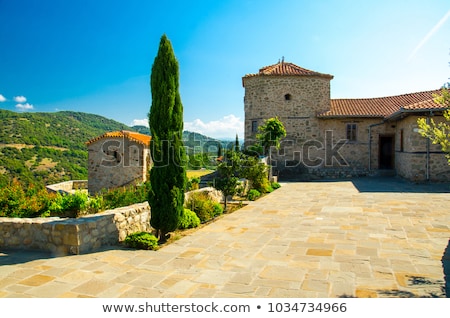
point(142, 240)
point(75, 202)
point(218, 209)
point(193, 184)
point(189, 219)
point(95, 205)
point(205, 208)
point(275, 185)
point(69, 205)
point(124, 196)
point(253, 194)
point(16, 201)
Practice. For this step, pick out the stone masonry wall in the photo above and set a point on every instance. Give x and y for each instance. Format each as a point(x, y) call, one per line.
point(265, 97)
point(115, 162)
point(411, 154)
point(74, 236)
point(295, 100)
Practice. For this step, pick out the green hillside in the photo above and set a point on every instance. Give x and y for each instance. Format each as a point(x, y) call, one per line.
point(46, 148)
point(43, 148)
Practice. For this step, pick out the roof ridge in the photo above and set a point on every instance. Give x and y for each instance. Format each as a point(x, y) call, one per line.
point(283, 68)
point(135, 136)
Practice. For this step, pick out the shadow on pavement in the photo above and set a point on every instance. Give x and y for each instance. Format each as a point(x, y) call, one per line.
point(17, 256)
point(446, 267)
point(396, 184)
point(12, 257)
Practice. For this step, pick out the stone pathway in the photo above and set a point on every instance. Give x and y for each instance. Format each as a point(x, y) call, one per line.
point(318, 239)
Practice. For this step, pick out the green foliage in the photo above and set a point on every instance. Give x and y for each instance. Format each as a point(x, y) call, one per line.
point(227, 180)
point(270, 133)
point(256, 172)
point(189, 220)
point(275, 185)
point(240, 165)
point(253, 194)
point(70, 205)
point(193, 184)
point(205, 208)
point(124, 196)
point(15, 201)
point(438, 133)
point(142, 240)
point(168, 174)
point(95, 205)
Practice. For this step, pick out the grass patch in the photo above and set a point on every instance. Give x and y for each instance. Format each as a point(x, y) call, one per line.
point(197, 173)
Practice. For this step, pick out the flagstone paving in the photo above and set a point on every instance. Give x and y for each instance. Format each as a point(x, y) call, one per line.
point(366, 238)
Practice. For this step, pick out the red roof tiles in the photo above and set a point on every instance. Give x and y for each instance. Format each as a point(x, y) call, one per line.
point(137, 137)
point(382, 106)
point(287, 69)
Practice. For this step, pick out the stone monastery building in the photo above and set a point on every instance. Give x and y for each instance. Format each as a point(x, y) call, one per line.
point(117, 159)
point(341, 137)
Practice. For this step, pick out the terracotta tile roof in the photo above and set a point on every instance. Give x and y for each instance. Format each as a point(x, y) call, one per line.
point(137, 137)
point(286, 69)
point(381, 106)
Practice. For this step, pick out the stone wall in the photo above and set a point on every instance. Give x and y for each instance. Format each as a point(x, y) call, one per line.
point(115, 162)
point(74, 236)
point(411, 153)
point(265, 97)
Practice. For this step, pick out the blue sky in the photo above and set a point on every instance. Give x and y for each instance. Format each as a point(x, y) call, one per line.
point(96, 56)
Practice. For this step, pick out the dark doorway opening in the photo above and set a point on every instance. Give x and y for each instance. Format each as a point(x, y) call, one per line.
point(386, 152)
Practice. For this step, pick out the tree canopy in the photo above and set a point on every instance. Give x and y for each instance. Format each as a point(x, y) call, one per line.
point(438, 133)
point(271, 133)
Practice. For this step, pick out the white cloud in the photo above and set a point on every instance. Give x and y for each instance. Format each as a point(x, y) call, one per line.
point(226, 127)
point(2, 98)
point(20, 99)
point(429, 35)
point(139, 122)
point(24, 107)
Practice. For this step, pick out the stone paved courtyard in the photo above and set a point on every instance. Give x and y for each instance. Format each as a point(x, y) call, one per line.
point(361, 238)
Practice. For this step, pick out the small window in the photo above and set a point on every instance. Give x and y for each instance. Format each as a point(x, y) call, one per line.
point(287, 97)
point(254, 126)
point(351, 132)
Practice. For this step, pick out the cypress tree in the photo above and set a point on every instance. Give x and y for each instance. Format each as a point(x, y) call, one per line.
point(168, 174)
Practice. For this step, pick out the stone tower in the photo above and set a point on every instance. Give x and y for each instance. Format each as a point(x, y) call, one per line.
point(294, 94)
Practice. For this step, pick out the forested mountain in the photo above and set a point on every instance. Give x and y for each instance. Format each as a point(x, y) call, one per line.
point(45, 148)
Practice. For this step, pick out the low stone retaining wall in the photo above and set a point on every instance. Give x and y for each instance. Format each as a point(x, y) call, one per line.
point(74, 236)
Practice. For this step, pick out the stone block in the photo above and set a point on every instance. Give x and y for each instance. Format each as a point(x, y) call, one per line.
point(70, 239)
